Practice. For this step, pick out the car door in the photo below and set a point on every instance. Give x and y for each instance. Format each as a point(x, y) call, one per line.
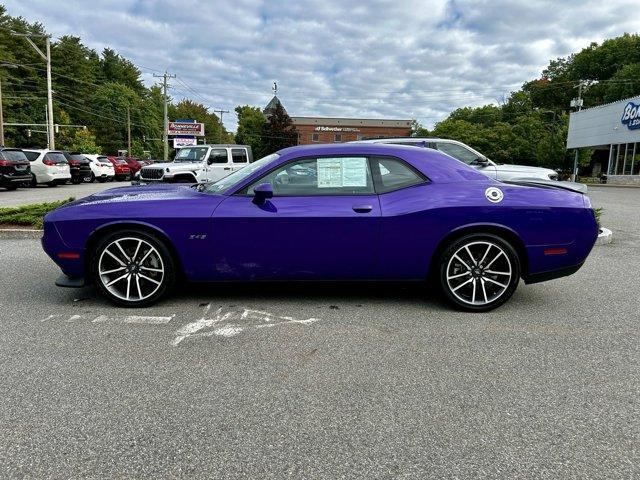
point(219, 164)
point(322, 223)
point(239, 159)
point(467, 156)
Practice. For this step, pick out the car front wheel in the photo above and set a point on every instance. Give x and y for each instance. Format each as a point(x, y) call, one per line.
point(479, 272)
point(133, 268)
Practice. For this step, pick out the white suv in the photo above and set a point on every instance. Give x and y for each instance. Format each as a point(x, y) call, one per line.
point(202, 163)
point(48, 166)
point(101, 168)
point(468, 155)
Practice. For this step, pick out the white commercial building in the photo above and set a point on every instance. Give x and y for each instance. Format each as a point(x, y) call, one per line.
point(614, 128)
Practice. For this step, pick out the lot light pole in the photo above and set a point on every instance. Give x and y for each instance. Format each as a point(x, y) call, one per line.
point(47, 58)
point(3, 65)
point(165, 135)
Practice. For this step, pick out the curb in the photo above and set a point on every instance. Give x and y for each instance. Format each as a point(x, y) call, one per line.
point(19, 233)
point(604, 237)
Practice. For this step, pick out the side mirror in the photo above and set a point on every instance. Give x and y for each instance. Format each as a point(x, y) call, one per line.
point(482, 161)
point(262, 192)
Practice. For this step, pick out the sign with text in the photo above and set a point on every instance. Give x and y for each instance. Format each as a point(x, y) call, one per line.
point(631, 116)
point(184, 142)
point(186, 128)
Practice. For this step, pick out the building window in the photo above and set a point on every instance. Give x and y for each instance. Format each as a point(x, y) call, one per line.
point(337, 137)
point(315, 137)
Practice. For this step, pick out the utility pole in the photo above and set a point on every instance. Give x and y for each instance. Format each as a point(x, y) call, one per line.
point(1, 117)
point(165, 135)
point(577, 102)
point(47, 58)
point(128, 131)
point(220, 131)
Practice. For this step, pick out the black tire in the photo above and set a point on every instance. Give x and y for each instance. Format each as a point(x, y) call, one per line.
point(11, 187)
point(34, 180)
point(91, 179)
point(128, 240)
point(52, 184)
point(473, 275)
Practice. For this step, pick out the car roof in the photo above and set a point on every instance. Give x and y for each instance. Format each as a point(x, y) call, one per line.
point(434, 164)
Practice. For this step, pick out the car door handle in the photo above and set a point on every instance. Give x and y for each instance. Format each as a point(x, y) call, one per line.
point(227, 168)
point(362, 208)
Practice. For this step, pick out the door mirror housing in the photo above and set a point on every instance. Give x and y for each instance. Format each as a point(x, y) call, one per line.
point(262, 192)
point(481, 161)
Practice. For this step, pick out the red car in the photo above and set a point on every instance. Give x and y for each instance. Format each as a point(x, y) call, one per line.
point(121, 168)
point(134, 164)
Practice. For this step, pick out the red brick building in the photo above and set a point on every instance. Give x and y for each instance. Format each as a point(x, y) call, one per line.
point(338, 130)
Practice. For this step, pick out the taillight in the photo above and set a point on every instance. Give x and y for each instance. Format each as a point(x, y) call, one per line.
point(4, 163)
point(48, 162)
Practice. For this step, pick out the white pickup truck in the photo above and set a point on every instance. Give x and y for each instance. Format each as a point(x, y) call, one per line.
point(202, 163)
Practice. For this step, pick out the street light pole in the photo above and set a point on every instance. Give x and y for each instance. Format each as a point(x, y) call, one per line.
point(47, 58)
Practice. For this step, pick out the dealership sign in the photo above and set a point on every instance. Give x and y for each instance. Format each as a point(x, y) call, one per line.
point(184, 142)
point(186, 128)
point(631, 116)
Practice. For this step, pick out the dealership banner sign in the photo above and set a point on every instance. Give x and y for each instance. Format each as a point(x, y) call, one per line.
point(186, 128)
point(184, 142)
point(631, 116)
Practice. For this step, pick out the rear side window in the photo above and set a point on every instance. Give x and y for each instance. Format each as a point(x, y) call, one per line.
point(32, 155)
point(395, 174)
point(239, 155)
point(218, 155)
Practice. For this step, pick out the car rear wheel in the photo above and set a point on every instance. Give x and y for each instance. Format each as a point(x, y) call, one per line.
point(479, 272)
point(34, 180)
point(133, 268)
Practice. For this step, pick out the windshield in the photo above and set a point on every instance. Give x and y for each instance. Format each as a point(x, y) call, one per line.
point(236, 177)
point(14, 155)
point(193, 154)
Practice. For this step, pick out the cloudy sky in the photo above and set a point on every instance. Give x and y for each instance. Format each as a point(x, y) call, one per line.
point(367, 58)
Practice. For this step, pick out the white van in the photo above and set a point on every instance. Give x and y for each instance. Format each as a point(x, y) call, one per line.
point(48, 166)
point(201, 163)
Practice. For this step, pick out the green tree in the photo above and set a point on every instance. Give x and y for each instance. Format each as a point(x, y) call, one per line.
point(251, 123)
point(278, 132)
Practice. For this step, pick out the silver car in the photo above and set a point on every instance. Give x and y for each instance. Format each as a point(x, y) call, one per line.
point(468, 155)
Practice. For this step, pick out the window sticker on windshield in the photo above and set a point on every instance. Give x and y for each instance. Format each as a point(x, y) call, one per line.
point(342, 172)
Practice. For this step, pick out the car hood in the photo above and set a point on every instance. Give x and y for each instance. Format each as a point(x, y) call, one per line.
point(165, 192)
point(174, 165)
point(506, 167)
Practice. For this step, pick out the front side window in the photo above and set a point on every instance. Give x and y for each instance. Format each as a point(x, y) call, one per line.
point(458, 152)
point(395, 174)
point(319, 176)
point(239, 155)
point(218, 155)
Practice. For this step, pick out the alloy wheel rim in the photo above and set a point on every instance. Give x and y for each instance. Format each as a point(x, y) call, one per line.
point(131, 269)
point(479, 273)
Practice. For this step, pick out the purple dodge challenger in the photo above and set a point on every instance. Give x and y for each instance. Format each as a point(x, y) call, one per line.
point(327, 212)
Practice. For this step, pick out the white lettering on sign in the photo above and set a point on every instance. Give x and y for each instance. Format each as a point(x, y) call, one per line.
point(631, 116)
point(336, 129)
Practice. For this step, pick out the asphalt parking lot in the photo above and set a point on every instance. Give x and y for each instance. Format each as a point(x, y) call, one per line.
point(309, 381)
point(44, 193)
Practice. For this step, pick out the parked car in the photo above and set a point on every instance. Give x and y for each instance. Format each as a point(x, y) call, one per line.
point(14, 168)
point(48, 166)
point(327, 212)
point(475, 159)
point(79, 166)
point(202, 163)
point(101, 168)
point(121, 168)
point(134, 164)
